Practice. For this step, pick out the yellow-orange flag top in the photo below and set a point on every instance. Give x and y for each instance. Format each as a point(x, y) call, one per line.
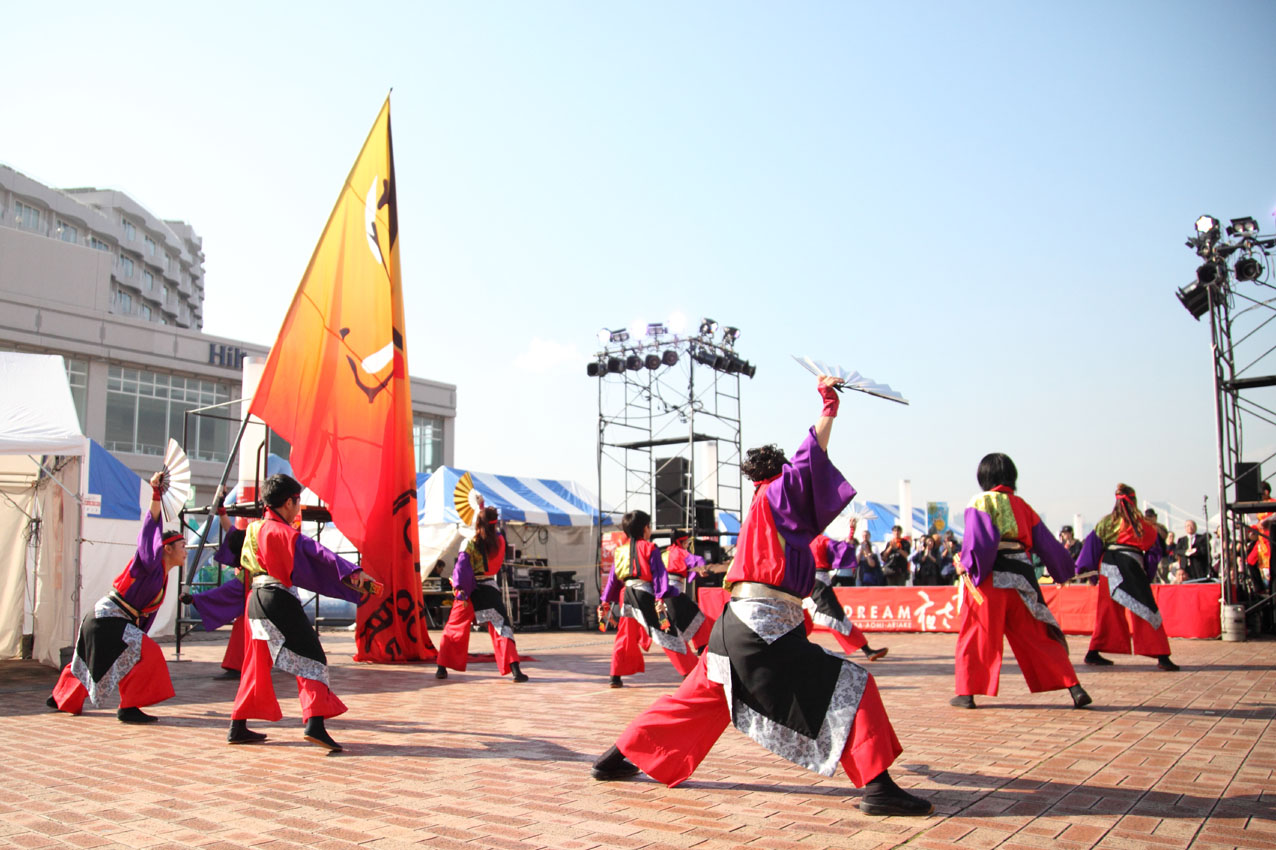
point(336, 387)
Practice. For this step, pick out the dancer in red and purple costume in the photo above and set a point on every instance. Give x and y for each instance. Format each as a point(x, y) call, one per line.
point(822, 606)
point(639, 582)
point(1003, 532)
point(1126, 549)
point(760, 672)
point(685, 616)
point(113, 654)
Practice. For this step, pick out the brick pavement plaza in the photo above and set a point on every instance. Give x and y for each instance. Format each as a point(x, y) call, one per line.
point(1162, 760)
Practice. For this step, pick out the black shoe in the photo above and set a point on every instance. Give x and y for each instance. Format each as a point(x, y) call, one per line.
point(134, 715)
point(1163, 662)
point(519, 675)
point(962, 701)
point(316, 734)
point(1080, 699)
point(51, 703)
point(240, 734)
point(883, 797)
point(440, 673)
point(1094, 659)
point(616, 683)
point(613, 765)
point(874, 654)
point(228, 675)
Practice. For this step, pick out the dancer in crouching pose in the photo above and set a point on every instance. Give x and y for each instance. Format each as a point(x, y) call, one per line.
point(640, 583)
point(1003, 532)
point(113, 653)
point(478, 599)
point(760, 671)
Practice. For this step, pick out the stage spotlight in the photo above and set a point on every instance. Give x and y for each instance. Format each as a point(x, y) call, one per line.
point(1248, 268)
point(730, 335)
point(652, 361)
point(615, 365)
point(1206, 225)
point(748, 370)
point(732, 365)
point(1242, 226)
point(595, 369)
point(677, 323)
point(707, 327)
point(1208, 274)
point(1195, 298)
point(633, 363)
point(669, 358)
point(703, 355)
point(604, 336)
point(656, 329)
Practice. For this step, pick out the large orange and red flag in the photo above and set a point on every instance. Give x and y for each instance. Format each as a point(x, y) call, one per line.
point(336, 387)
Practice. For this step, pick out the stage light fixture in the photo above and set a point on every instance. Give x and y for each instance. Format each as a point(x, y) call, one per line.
point(677, 323)
point(1208, 274)
point(1207, 224)
point(656, 329)
point(669, 358)
point(702, 355)
point(1242, 226)
point(749, 370)
point(732, 364)
point(621, 335)
point(633, 363)
point(604, 336)
point(615, 365)
point(1248, 268)
point(707, 327)
point(1195, 298)
point(730, 335)
point(652, 361)
point(595, 369)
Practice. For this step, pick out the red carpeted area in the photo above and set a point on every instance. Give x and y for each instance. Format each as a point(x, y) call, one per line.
point(1189, 610)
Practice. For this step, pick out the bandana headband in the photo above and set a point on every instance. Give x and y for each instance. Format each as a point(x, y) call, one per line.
point(172, 537)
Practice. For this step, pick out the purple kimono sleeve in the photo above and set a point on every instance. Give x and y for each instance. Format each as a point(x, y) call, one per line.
point(319, 569)
point(231, 541)
point(463, 576)
point(1053, 554)
point(660, 585)
point(809, 494)
point(979, 546)
point(1152, 557)
point(611, 590)
point(694, 561)
point(221, 605)
point(1091, 552)
point(150, 548)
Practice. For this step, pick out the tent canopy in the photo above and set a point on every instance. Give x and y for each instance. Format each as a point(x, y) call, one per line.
point(37, 413)
point(536, 501)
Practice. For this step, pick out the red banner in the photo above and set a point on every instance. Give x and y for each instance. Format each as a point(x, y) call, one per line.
point(1188, 610)
point(336, 388)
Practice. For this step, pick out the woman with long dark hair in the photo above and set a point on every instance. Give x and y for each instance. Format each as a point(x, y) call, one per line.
point(1003, 532)
point(1125, 547)
point(478, 599)
point(640, 584)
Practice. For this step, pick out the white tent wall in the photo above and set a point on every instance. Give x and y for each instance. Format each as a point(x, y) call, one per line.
point(54, 611)
point(563, 548)
point(17, 504)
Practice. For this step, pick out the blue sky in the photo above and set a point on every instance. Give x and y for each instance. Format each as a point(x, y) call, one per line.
point(983, 204)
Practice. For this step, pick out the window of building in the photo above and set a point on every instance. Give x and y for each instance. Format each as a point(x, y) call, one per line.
point(145, 311)
point(27, 216)
point(150, 247)
point(68, 232)
point(144, 409)
point(170, 295)
point(427, 438)
point(77, 375)
point(126, 266)
point(130, 232)
point(149, 280)
point(98, 244)
point(123, 302)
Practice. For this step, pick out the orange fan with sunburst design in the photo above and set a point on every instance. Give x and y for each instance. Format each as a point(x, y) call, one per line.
point(466, 499)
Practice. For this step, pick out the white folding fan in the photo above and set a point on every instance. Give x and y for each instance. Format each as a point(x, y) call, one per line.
point(852, 380)
point(176, 483)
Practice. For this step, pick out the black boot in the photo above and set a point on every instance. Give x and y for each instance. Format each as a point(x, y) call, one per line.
point(874, 654)
point(228, 675)
point(440, 673)
point(134, 715)
point(962, 701)
point(613, 765)
point(1094, 659)
point(1080, 699)
point(883, 797)
point(519, 675)
point(316, 734)
point(616, 683)
point(240, 734)
point(1163, 662)
point(51, 703)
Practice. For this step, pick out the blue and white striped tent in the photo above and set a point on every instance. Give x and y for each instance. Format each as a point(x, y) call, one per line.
point(535, 501)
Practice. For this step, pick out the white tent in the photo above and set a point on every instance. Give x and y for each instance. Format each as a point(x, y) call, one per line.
point(42, 464)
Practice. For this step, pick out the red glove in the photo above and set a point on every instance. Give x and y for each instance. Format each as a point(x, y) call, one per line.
point(831, 401)
point(157, 495)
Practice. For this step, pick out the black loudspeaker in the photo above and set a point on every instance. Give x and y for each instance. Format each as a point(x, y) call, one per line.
point(671, 491)
point(705, 520)
point(1248, 476)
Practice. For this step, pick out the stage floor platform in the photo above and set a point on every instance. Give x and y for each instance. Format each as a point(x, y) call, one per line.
point(1166, 760)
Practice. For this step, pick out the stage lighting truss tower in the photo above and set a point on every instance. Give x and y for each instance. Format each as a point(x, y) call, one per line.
point(647, 415)
point(1240, 301)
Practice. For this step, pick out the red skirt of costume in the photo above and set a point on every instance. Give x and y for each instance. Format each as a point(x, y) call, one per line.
point(113, 656)
point(639, 627)
point(484, 606)
point(1041, 652)
point(1120, 631)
